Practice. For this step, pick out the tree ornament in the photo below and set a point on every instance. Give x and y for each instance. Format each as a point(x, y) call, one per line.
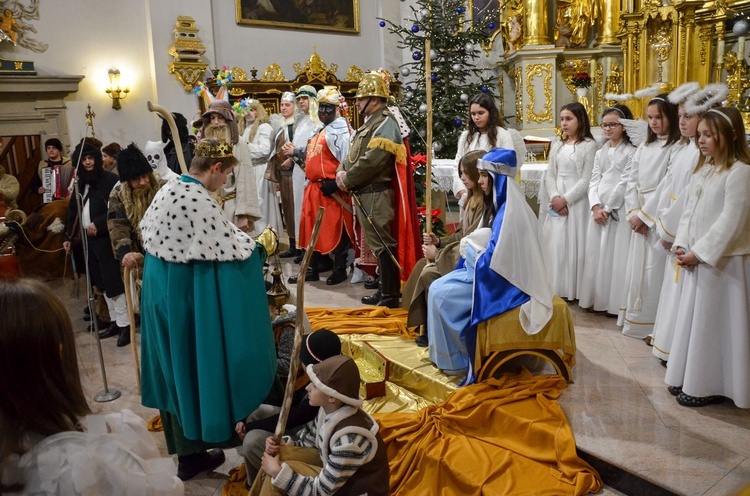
point(464, 97)
point(485, 89)
point(433, 54)
point(416, 56)
point(460, 9)
point(458, 122)
point(415, 28)
point(423, 108)
point(437, 146)
point(491, 25)
point(409, 95)
point(405, 71)
point(382, 24)
point(425, 12)
point(456, 67)
point(408, 87)
point(433, 78)
point(423, 133)
point(469, 47)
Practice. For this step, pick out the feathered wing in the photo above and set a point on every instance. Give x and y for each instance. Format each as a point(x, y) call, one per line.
point(637, 130)
point(519, 145)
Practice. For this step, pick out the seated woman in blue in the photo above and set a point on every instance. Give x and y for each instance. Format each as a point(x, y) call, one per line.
point(502, 268)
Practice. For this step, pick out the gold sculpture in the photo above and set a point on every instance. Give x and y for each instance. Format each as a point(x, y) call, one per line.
point(315, 68)
point(511, 25)
point(273, 73)
point(544, 71)
point(614, 82)
point(187, 51)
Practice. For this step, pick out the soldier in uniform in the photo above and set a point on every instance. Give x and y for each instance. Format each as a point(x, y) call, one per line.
point(368, 170)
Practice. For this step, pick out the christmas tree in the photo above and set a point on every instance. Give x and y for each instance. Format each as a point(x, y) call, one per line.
point(455, 48)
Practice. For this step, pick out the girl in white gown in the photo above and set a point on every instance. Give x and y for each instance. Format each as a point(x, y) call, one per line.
point(485, 132)
point(608, 237)
point(49, 444)
point(645, 266)
point(259, 138)
point(670, 200)
point(710, 355)
point(571, 162)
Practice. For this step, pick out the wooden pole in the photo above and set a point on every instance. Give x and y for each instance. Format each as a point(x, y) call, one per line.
point(428, 173)
point(286, 405)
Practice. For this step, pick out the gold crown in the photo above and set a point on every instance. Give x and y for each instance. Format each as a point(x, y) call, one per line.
point(206, 149)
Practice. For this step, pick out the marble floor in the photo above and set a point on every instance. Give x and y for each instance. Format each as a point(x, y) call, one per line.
point(618, 405)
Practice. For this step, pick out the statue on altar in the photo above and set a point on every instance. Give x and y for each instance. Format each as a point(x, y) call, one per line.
point(574, 18)
point(511, 18)
point(8, 27)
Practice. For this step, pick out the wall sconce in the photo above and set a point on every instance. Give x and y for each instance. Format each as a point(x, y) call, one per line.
point(115, 92)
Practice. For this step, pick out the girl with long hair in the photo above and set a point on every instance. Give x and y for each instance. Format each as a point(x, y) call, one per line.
point(442, 254)
point(645, 266)
point(608, 237)
point(45, 446)
point(710, 354)
point(571, 163)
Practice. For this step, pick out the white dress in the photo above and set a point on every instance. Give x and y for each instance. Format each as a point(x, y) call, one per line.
point(603, 286)
point(645, 267)
point(673, 192)
point(260, 149)
point(710, 353)
point(115, 456)
point(565, 236)
point(481, 142)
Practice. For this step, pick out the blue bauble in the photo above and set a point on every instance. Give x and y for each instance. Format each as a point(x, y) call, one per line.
point(415, 28)
point(382, 24)
point(485, 89)
point(460, 10)
point(409, 87)
point(433, 78)
point(416, 56)
point(491, 25)
point(458, 122)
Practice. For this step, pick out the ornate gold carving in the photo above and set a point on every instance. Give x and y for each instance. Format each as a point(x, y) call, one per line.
point(705, 36)
point(18, 65)
point(515, 76)
point(614, 82)
point(188, 72)
point(273, 73)
point(536, 71)
point(238, 74)
point(511, 26)
point(570, 68)
point(237, 92)
point(315, 68)
point(598, 89)
point(500, 87)
point(354, 74)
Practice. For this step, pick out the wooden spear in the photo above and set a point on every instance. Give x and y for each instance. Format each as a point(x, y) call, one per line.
point(428, 145)
point(286, 405)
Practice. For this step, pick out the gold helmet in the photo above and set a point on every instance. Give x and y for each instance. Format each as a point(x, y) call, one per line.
point(372, 84)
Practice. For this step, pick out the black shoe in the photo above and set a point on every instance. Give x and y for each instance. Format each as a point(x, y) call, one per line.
point(389, 302)
point(292, 280)
point(124, 338)
point(422, 341)
point(336, 277)
point(191, 465)
point(298, 257)
point(372, 283)
point(373, 299)
point(87, 317)
point(312, 275)
point(110, 331)
point(86, 311)
point(291, 252)
point(697, 402)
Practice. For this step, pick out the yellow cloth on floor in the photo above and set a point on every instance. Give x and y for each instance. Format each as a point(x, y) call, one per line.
point(364, 320)
point(504, 332)
point(154, 425)
point(235, 485)
point(502, 436)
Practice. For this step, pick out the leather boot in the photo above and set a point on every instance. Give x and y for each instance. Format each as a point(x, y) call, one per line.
point(124, 338)
point(292, 251)
point(339, 268)
point(312, 273)
point(373, 299)
point(390, 282)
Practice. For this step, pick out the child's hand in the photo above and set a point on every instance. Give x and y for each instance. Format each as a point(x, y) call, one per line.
point(558, 203)
point(637, 225)
point(271, 447)
point(239, 428)
point(687, 260)
point(600, 216)
point(271, 464)
point(429, 251)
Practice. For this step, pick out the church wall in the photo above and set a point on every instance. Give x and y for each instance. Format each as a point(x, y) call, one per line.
point(99, 34)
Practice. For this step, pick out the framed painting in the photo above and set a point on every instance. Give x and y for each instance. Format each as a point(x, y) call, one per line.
point(317, 15)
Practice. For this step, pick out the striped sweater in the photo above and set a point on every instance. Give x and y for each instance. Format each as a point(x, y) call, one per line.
point(352, 452)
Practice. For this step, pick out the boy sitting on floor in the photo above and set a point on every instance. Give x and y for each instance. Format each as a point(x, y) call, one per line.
point(340, 452)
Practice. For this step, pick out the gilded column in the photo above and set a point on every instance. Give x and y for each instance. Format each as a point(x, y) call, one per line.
point(610, 21)
point(535, 25)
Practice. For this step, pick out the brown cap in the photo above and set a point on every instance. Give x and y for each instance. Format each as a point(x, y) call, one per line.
point(338, 377)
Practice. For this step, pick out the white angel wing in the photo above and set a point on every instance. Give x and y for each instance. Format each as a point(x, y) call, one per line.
point(276, 121)
point(637, 130)
point(519, 146)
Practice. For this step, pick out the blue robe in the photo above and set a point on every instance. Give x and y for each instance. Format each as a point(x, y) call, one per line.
point(471, 294)
point(208, 352)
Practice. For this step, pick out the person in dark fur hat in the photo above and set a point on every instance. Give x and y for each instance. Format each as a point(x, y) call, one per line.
point(94, 187)
point(170, 149)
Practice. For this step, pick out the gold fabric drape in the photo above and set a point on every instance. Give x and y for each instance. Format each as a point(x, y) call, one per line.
point(365, 320)
point(502, 436)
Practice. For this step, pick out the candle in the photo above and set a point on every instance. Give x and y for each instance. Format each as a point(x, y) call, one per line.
point(741, 49)
point(720, 52)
